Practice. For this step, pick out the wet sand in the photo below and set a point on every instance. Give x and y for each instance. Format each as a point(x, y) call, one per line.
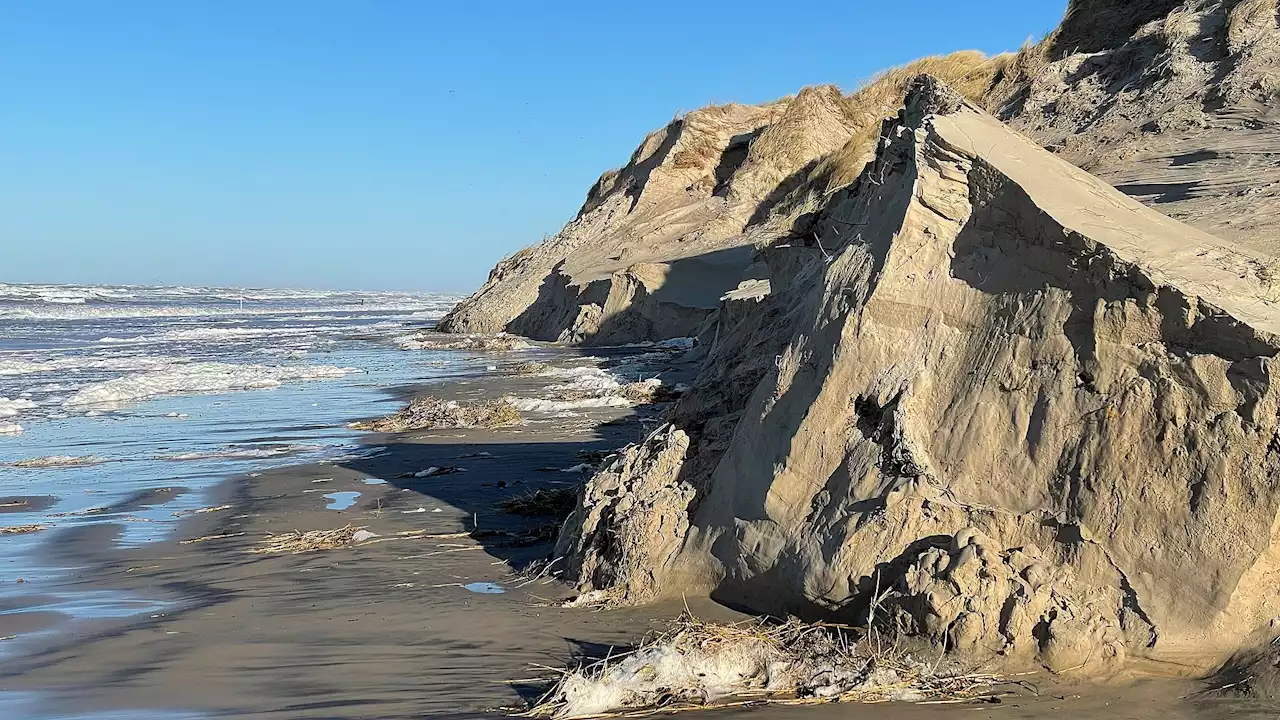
point(387, 629)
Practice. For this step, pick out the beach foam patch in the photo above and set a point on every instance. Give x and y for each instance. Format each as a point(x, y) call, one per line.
point(10, 408)
point(195, 378)
point(553, 406)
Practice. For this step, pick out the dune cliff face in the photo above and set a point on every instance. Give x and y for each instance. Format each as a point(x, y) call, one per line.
point(660, 241)
point(960, 387)
point(1171, 101)
point(1031, 416)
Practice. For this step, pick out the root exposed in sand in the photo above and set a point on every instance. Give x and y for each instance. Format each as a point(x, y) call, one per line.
point(697, 664)
point(431, 413)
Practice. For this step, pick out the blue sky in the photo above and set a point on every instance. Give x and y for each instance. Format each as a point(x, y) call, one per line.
point(377, 144)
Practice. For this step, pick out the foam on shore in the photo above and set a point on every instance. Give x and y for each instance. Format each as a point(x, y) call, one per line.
point(205, 377)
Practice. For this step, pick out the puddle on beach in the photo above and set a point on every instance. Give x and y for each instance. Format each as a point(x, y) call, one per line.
point(485, 588)
point(341, 500)
point(374, 481)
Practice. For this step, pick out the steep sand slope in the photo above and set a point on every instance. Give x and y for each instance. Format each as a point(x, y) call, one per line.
point(1030, 416)
point(658, 242)
point(1172, 102)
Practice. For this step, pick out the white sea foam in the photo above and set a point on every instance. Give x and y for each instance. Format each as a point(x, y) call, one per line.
point(554, 406)
point(10, 408)
point(194, 378)
point(10, 429)
point(585, 380)
point(75, 363)
point(240, 452)
point(57, 461)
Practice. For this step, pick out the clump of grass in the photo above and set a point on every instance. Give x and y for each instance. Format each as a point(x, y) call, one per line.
point(427, 412)
point(543, 502)
point(697, 664)
point(22, 529)
point(310, 541)
point(647, 392)
point(970, 73)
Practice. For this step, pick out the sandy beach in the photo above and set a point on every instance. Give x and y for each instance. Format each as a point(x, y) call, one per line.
point(389, 628)
point(385, 629)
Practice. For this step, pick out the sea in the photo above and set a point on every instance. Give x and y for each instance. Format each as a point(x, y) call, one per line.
point(125, 404)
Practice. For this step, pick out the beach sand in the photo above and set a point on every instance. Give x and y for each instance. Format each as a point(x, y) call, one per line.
point(387, 629)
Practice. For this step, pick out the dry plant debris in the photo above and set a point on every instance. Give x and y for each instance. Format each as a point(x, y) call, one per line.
point(701, 665)
point(528, 367)
point(551, 502)
point(22, 529)
point(300, 542)
point(207, 538)
point(430, 413)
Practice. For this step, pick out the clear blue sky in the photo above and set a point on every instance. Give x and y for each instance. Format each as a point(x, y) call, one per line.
point(377, 144)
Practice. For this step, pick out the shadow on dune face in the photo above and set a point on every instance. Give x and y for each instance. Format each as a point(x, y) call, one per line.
point(492, 472)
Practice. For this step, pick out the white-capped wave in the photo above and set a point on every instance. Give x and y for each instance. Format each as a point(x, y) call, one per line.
point(57, 461)
point(10, 429)
point(195, 378)
point(240, 452)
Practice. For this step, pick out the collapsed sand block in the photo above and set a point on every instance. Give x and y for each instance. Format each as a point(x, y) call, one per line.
point(630, 518)
point(1032, 418)
point(426, 412)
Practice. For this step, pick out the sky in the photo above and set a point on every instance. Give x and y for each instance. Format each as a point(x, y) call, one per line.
point(384, 145)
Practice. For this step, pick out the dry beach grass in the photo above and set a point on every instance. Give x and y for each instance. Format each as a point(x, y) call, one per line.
point(703, 665)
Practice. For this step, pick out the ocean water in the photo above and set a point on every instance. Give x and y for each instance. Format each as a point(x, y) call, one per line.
point(125, 404)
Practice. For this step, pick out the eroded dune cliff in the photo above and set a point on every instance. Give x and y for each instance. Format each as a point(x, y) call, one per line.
point(1037, 415)
point(959, 387)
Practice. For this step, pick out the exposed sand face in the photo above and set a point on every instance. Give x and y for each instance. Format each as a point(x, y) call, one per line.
point(1004, 400)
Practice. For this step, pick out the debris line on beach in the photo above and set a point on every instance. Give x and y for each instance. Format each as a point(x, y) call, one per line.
point(702, 665)
point(21, 529)
point(299, 542)
point(551, 502)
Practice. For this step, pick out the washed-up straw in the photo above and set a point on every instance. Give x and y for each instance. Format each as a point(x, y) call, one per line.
point(554, 502)
point(808, 664)
point(22, 529)
point(295, 541)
